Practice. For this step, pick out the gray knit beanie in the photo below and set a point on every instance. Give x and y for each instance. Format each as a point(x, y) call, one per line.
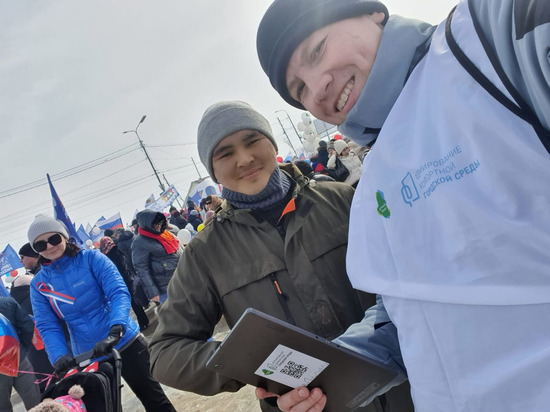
point(45, 224)
point(287, 23)
point(225, 118)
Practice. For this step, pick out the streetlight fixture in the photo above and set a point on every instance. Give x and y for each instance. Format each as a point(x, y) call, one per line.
point(292, 123)
point(144, 150)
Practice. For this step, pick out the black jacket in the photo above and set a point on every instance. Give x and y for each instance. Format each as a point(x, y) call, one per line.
point(195, 221)
point(22, 294)
point(118, 258)
point(178, 220)
point(153, 265)
point(322, 156)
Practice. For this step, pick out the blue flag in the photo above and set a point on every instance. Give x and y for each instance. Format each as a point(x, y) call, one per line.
point(3, 291)
point(60, 213)
point(9, 260)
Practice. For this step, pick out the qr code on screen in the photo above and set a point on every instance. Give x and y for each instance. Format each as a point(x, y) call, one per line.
point(294, 370)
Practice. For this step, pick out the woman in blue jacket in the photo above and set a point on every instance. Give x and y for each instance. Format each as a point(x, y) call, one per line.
point(84, 290)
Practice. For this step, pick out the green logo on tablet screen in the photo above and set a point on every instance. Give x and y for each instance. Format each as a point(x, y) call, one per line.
point(267, 372)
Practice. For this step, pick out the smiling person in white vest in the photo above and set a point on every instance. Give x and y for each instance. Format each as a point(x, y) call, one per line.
point(450, 223)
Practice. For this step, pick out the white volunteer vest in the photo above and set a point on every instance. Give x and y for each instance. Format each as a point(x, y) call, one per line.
point(451, 224)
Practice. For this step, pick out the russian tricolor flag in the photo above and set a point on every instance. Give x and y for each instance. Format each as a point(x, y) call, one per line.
point(9, 348)
point(114, 222)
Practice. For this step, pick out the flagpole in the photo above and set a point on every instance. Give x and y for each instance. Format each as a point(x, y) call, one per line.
point(196, 168)
point(178, 197)
point(145, 151)
point(292, 123)
point(287, 138)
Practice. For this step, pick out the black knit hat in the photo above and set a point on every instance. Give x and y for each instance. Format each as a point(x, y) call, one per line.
point(289, 22)
point(27, 250)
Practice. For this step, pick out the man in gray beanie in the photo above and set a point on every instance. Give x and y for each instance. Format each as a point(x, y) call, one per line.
point(225, 118)
point(277, 243)
point(432, 228)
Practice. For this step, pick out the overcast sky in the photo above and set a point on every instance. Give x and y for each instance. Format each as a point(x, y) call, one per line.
point(74, 75)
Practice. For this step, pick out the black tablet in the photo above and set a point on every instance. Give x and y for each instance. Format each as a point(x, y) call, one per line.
point(269, 353)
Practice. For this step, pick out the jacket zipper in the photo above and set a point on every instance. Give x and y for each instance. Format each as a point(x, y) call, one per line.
point(283, 298)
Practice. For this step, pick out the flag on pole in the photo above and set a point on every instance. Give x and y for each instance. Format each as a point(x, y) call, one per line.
point(61, 214)
point(149, 200)
point(114, 222)
point(165, 200)
point(199, 189)
point(82, 234)
point(3, 290)
point(9, 260)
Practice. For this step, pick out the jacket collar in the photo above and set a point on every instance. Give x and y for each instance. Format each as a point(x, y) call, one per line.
point(244, 216)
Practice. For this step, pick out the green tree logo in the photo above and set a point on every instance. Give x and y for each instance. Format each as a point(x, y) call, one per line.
point(383, 209)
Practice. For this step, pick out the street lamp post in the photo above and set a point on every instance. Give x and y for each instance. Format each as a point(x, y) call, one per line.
point(287, 138)
point(292, 123)
point(145, 151)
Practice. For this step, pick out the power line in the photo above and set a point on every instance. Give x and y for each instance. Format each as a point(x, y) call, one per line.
point(13, 223)
point(69, 172)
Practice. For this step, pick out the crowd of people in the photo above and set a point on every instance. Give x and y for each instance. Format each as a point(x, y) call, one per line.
point(408, 238)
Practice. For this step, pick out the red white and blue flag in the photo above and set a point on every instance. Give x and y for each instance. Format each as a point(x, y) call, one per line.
point(9, 348)
point(114, 222)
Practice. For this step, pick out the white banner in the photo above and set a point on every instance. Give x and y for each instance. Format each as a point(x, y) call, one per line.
point(164, 201)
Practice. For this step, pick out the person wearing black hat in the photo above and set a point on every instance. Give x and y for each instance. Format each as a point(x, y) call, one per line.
point(20, 285)
point(176, 218)
point(322, 153)
point(452, 239)
point(29, 259)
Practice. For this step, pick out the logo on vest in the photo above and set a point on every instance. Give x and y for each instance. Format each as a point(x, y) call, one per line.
point(427, 178)
point(409, 190)
point(382, 209)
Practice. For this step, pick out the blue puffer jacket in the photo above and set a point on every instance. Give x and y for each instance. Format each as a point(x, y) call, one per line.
point(91, 297)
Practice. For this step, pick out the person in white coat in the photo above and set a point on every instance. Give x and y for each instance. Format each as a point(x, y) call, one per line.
point(450, 222)
point(350, 159)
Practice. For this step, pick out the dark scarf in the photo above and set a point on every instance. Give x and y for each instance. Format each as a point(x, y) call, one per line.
point(276, 189)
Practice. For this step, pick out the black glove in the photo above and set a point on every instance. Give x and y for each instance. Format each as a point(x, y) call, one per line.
point(64, 363)
point(104, 346)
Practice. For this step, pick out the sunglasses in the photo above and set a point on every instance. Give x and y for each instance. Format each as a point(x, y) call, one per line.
point(53, 240)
